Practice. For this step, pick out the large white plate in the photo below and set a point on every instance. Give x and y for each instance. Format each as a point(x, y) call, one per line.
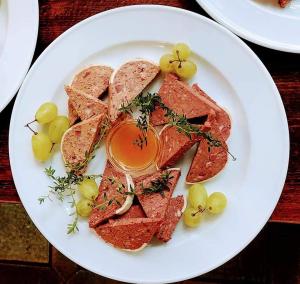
point(19, 22)
point(260, 21)
point(229, 71)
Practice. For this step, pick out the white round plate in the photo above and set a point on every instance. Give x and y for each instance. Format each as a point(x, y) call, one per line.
point(19, 21)
point(229, 71)
point(263, 22)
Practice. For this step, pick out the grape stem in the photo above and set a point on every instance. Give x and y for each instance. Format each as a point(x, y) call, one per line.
point(177, 60)
point(28, 126)
point(200, 210)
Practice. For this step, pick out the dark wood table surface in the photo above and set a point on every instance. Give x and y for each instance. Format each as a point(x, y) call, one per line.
point(274, 255)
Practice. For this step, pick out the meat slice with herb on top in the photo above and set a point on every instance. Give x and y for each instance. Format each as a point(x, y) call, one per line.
point(155, 190)
point(207, 162)
point(129, 234)
point(78, 142)
point(85, 105)
point(129, 81)
point(172, 217)
point(181, 98)
point(92, 81)
point(111, 196)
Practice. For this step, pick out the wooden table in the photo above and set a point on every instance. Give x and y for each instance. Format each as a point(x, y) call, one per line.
point(56, 16)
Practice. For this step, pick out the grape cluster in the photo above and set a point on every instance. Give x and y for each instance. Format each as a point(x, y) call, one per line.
point(178, 62)
point(89, 191)
point(42, 143)
point(199, 202)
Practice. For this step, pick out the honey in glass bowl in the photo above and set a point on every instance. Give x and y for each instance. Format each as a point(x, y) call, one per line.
point(132, 150)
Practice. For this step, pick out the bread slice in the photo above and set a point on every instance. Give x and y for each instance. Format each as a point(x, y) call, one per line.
point(127, 82)
point(173, 146)
point(129, 234)
point(172, 217)
point(181, 98)
point(85, 105)
point(78, 142)
point(155, 204)
point(92, 81)
point(220, 122)
point(207, 162)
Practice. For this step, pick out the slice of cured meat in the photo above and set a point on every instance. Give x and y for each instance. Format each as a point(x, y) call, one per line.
point(72, 114)
point(112, 182)
point(129, 81)
point(78, 141)
point(129, 234)
point(207, 162)
point(181, 98)
point(220, 121)
point(135, 211)
point(85, 105)
point(172, 217)
point(155, 204)
point(92, 81)
point(173, 146)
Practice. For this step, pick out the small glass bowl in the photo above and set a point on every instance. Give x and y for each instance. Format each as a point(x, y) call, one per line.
point(133, 171)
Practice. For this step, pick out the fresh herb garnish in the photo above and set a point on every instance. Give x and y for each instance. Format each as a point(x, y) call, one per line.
point(146, 103)
point(158, 185)
point(62, 187)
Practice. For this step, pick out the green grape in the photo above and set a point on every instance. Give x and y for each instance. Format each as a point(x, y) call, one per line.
point(185, 69)
point(88, 189)
point(192, 217)
point(165, 63)
point(216, 202)
point(197, 196)
point(41, 146)
point(57, 128)
point(182, 50)
point(84, 207)
point(46, 113)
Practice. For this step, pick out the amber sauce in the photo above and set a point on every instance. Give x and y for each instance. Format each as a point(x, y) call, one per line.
point(126, 152)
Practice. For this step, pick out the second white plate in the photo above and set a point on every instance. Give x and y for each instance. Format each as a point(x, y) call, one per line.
point(260, 21)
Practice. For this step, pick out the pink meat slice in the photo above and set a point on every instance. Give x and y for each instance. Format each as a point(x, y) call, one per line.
point(135, 211)
point(172, 217)
point(130, 234)
point(128, 82)
point(181, 98)
point(155, 204)
point(207, 162)
point(85, 105)
point(173, 146)
point(220, 122)
point(107, 191)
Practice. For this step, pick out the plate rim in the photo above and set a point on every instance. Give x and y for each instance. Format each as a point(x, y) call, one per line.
point(242, 45)
point(13, 4)
point(246, 34)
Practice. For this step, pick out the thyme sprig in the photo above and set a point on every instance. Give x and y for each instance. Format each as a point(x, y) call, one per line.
point(146, 103)
point(62, 187)
point(159, 185)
